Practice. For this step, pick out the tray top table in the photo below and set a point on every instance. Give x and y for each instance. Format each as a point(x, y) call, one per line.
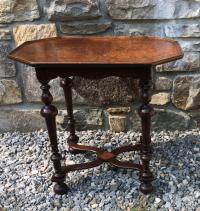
point(96, 57)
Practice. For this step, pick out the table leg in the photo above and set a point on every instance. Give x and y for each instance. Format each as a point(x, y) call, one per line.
point(49, 112)
point(145, 112)
point(66, 84)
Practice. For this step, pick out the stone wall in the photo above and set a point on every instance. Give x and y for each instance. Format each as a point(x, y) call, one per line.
point(176, 90)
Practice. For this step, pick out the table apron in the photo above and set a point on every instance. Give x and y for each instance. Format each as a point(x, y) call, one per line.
point(94, 71)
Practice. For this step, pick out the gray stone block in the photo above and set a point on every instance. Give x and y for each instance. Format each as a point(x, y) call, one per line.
point(19, 119)
point(190, 62)
point(182, 30)
point(5, 34)
point(84, 28)
point(26, 119)
point(153, 9)
point(163, 83)
point(18, 10)
point(33, 92)
point(10, 93)
point(138, 29)
point(58, 10)
point(186, 92)
point(86, 118)
point(180, 92)
point(7, 66)
point(165, 119)
point(190, 45)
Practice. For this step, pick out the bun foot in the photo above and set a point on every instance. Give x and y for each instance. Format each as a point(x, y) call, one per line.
point(61, 188)
point(146, 188)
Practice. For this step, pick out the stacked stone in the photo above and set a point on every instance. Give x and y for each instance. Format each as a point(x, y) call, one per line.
point(176, 92)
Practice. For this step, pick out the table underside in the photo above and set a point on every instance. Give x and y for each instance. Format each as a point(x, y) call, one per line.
point(49, 112)
point(94, 72)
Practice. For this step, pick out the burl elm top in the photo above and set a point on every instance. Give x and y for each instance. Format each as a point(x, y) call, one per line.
point(98, 50)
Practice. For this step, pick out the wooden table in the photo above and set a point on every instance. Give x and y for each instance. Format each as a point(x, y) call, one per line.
point(94, 58)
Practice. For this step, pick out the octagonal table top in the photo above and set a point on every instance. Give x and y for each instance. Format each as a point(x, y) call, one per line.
point(135, 50)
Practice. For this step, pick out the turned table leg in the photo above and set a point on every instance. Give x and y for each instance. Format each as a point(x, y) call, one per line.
point(145, 112)
point(49, 112)
point(66, 84)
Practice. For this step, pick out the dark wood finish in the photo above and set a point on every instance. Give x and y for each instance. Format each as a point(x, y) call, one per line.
point(66, 84)
point(49, 112)
point(95, 58)
point(105, 156)
point(145, 112)
point(98, 50)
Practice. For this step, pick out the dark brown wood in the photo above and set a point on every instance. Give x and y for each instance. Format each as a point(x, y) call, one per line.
point(95, 58)
point(105, 156)
point(49, 112)
point(82, 166)
point(87, 71)
point(98, 50)
point(126, 164)
point(86, 148)
point(66, 84)
point(145, 112)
